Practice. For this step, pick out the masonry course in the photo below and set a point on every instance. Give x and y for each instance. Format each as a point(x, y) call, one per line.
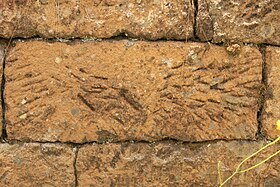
point(162, 163)
point(173, 164)
point(216, 21)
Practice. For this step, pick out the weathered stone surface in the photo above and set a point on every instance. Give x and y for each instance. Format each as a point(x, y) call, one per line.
point(125, 90)
point(272, 103)
point(150, 19)
point(35, 164)
point(255, 21)
point(169, 164)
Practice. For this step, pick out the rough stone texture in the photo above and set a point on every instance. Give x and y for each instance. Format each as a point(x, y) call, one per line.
point(272, 103)
point(150, 19)
point(35, 164)
point(171, 164)
point(255, 21)
point(125, 90)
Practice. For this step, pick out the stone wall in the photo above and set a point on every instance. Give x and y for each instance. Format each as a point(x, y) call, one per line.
point(139, 92)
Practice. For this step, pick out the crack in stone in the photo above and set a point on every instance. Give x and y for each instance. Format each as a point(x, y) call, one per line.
point(259, 133)
point(164, 140)
point(4, 134)
point(195, 5)
point(76, 150)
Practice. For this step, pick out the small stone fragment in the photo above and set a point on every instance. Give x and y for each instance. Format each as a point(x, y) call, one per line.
point(44, 2)
point(58, 60)
point(23, 102)
point(234, 49)
point(23, 116)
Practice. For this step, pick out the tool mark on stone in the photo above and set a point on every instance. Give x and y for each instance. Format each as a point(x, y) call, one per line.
point(99, 77)
point(77, 77)
point(86, 102)
point(34, 82)
point(130, 99)
point(118, 119)
point(48, 112)
point(41, 90)
point(98, 88)
point(115, 159)
point(23, 66)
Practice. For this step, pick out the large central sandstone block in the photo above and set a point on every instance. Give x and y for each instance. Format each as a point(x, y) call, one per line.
point(125, 90)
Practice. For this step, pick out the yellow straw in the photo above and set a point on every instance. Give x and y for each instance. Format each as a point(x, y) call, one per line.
point(250, 168)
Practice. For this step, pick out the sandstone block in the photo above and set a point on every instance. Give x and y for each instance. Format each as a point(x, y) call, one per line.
point(250, 21)
point(272, 103)
point(149, 19)
point(33, 164)
point(125, 90)
point(169, 164)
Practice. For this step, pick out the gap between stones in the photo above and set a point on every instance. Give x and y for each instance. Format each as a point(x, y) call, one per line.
point(259, 133)
point(195, 4)
point(4, 134)
point(3, 129)
point(124, 37)
point(163, 141)
point(76, 150)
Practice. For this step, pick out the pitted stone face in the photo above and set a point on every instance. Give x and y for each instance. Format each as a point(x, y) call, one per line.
point(149, 19)
point(34, 164)
point(251, 21)
point(109, 91)
point(165, 163)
